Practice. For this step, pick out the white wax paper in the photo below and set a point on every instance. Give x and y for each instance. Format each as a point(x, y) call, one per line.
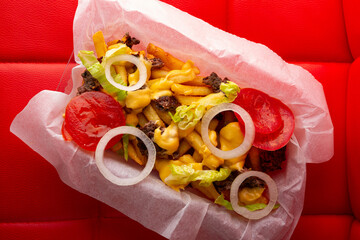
point(184, 215)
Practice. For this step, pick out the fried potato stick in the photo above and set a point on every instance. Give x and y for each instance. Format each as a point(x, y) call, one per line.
point(99, 43)
point(169, 60)
point(180, 89)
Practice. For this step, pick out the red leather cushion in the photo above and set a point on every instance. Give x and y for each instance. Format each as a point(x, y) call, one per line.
point(322, 227)
point(355, 230)
point(296, 30)
point(352, 21)
point(36, 31)
point(353, 133)
point(30, 187)
point(59, 230)
point(326, 188)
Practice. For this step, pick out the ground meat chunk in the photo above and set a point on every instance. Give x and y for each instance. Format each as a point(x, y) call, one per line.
point(149, 129)
point(224, 185)
point(272, 160)
point(252, 182)
point(166, 103)
point(89, 83)
point(156, 63)
point(129, 41)
point(214, 81)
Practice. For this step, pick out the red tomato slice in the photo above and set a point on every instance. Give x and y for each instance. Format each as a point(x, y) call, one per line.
point(264, 113)
point(89, 116)
point(265, 109)
point(280, 138)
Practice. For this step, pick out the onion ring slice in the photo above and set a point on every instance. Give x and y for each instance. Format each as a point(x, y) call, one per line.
point(128, 58)
point(99, 155)
point(243, 211)
point(249, 130)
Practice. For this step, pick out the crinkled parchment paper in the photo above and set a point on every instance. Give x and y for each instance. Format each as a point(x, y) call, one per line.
point(184, 215)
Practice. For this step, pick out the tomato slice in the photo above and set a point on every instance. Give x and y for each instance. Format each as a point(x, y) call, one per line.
point(274, 121)
point(280, 138)
point(89, 116)
point(264, 113)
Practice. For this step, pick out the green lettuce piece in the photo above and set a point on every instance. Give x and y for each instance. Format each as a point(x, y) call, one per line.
point(97, 70)
point(252, 207)
point(230, 89)
point(185, 174)
point(87, 58)
point(220, 200)
point(259, 206)
point(125, 139)
point(188, 116)
point(120, 94)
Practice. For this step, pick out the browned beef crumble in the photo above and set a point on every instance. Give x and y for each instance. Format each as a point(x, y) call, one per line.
point(129, 41)
point(214, 81)
point(156, 63)
point(252, 182)
point(272, 160)
point(166, 103)
point(149, 129)
point(89, 83)
point(269, 160)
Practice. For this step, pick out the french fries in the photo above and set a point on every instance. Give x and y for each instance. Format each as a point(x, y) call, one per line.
point(152, 115)
point(169, 61)
point(186, 100)
point(99, 43)
point(180, 89)
point(176, 80)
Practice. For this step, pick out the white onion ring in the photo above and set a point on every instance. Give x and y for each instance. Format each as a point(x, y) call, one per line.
point(128, 58)
point(249, 131)
point(99, 155)
point(234, 196)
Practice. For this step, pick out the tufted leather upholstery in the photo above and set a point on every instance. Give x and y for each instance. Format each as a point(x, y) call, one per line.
point(322, 36)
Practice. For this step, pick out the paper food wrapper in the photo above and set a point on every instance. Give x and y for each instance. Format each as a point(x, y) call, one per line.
point(172, 214)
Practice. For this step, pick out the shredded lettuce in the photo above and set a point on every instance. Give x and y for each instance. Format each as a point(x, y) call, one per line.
point(223, 202)
point(259, 206)
point(188, 116)
point(97, 69)
point(252, 207)
point(185, 173)
point(230, 89)
point(125, 139)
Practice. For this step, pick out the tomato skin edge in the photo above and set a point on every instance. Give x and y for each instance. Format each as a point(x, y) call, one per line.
point(279, 138)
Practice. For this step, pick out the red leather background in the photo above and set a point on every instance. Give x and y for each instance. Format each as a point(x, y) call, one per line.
point(322, 36)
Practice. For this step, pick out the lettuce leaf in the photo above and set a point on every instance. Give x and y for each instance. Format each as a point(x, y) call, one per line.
point(230, 89)
point(97, 70)
point(185, 173)
point(259, 206)
point(125, 139)
point(223, 202)
point(252, 207)
point(188, 116)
